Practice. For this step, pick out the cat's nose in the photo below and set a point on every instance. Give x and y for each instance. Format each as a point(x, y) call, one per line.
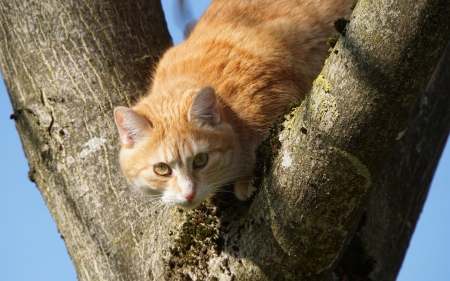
point(189, 196)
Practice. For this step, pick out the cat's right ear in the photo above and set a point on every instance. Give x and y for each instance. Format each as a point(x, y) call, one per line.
point(132, 126)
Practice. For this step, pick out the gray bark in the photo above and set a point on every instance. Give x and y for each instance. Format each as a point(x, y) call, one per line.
point(66, 66)
point(400, 192)
point(395, 203)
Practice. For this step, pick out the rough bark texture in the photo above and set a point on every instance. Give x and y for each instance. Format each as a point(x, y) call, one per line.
point(380, 243)
point(401, 190)
point(365, 97)
point(67, 65)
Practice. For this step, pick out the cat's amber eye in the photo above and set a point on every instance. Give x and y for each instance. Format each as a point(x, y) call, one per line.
point(162, 169)
point(200, 160)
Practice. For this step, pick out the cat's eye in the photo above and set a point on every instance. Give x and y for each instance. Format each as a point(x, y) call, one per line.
point(200, 160)
point(162, 169)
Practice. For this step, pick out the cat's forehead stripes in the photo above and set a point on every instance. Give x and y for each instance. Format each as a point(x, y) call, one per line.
point(177, 151)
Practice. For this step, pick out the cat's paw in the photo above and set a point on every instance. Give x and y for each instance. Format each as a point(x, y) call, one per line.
point(243, 190)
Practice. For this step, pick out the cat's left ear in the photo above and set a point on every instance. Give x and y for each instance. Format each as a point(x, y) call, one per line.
point(204, 109)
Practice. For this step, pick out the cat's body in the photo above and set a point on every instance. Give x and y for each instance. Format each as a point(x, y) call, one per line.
point(258, 56)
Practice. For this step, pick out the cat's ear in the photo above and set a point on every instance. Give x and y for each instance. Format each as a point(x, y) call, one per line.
point(204, 109)
point(132, 126)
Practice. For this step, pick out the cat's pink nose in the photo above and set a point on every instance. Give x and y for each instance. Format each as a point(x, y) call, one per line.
point(189, 196)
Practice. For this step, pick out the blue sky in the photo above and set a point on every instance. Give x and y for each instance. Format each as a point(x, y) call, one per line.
point(31, 247)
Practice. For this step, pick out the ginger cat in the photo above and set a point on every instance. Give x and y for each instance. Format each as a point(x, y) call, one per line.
point(214, 97)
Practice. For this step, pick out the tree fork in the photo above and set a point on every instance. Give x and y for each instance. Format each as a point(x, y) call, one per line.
point(84, 59)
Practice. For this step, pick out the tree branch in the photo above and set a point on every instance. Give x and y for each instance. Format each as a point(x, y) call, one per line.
point(400, 192)
point(366, 95)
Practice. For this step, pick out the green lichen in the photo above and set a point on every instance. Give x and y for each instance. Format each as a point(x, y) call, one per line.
point(323, 82)
point(292, 110)
point(195, 240)
point(333, 40)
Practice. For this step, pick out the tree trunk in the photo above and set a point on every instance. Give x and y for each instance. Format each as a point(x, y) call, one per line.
point(66, 66)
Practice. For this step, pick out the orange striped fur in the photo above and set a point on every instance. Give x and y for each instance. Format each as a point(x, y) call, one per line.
point(258, 56)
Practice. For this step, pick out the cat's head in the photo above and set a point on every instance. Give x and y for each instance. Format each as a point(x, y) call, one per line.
point(180, 153)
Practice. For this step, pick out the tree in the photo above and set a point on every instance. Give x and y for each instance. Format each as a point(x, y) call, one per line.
point(67, 65)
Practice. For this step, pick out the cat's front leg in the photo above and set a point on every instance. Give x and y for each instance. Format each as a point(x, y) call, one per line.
point(244, 189)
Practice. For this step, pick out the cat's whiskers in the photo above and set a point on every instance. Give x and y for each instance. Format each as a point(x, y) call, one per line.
point(164, 212)
point(235, 169)
point(226, 177)
point(225, 182)
point(222, 201)
point(222, 191)
point(219, 184)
